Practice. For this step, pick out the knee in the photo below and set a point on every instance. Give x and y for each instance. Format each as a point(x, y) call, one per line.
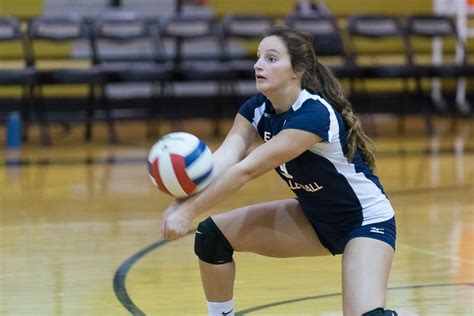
point(380, 312)
point(210, 245)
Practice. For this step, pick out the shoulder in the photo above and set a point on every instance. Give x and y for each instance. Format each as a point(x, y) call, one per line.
point(255, 102)
point(312, 103)
point(314, 114)
point(312, 108)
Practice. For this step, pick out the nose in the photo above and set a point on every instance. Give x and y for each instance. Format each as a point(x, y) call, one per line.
point(258, 65)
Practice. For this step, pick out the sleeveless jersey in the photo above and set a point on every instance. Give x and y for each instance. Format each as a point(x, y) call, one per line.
point(330, 189)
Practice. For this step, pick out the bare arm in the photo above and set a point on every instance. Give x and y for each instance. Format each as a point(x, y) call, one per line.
point(287, 145)
point(235, 145)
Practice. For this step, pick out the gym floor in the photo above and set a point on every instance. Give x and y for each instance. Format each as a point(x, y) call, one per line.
point(79, 229)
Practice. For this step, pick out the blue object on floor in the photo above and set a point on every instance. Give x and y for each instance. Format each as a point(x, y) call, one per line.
point(13, 130)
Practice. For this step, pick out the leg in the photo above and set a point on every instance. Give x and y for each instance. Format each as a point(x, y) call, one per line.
point(366, 266)
point(218, 281)
point(276, 229)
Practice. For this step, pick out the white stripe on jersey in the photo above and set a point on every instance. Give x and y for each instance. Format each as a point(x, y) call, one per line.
point(376, 207)
point(258, 113)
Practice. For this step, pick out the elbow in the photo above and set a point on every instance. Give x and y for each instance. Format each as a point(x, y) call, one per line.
point(245, 172)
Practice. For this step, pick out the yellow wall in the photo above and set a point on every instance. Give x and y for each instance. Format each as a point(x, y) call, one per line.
point(22, 9)
point(337, 7)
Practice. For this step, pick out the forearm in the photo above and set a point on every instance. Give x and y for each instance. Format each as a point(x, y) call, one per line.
point(221, 188)
point(230, 153)
point(282, 148)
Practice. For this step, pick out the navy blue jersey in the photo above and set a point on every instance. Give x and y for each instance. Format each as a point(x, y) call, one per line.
point(330, 188)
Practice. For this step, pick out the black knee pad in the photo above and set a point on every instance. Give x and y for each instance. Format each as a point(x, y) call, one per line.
point(210, 245)
point(380, 312)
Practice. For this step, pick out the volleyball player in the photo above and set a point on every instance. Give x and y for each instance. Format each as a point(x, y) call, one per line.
point(316, 144)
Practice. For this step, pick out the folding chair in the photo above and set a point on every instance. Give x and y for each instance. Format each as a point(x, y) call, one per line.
point(384, 35)
point(241, 32)
point(199, 56)
point(14, 75)
point(51, 38)
point(329, 44)
point(449, 63)
point(127, 49)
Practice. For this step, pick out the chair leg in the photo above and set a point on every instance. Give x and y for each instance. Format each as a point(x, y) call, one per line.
point(108, 116)
point(154, 110)
point(218, 108)
point(426, 111)
point(90, 113)
point(403, 110)
point(364, 96)
point(402, 115)
point(41, 113)
point(177, 121)
point(26, 107)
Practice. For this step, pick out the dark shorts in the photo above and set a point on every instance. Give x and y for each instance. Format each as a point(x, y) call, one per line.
point(335, 239)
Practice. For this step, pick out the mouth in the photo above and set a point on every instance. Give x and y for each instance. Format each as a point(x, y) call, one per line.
point(260, 77)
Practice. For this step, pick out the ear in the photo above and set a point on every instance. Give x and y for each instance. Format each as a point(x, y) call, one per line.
point(298, 72)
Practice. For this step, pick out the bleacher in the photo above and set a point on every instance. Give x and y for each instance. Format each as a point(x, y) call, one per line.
point(145, 60)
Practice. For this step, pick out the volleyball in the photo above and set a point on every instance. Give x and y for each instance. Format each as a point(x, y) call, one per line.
point(180, 164)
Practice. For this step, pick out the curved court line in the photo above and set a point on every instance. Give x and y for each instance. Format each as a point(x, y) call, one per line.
point(121, 293)
point(121, 274)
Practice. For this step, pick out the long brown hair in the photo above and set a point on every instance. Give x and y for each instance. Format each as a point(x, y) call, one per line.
point(319, 79)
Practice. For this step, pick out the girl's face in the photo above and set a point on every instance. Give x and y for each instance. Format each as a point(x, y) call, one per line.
point(273, 69)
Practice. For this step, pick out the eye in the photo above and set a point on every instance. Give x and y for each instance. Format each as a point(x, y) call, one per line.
point(271, 59)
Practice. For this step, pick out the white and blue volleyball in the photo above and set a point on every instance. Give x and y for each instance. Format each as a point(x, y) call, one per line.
point(180, 164)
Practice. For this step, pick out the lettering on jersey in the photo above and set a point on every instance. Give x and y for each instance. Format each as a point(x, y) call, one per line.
point(310, 187)
point(267, 136)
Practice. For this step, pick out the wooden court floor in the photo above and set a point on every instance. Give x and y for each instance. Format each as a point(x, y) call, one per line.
point(79, 231)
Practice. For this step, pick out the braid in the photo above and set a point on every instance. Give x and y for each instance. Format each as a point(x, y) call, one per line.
point(356, 138)
point(331, 89)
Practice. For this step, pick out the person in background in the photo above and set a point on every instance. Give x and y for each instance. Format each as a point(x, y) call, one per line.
point(310, 8)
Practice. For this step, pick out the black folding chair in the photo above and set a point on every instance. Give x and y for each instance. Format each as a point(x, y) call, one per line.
point(385, 36)
point(329, 44)
point(240, 32)
point(56, 65)
point(22, 76)
point(199, 56)
point(127, 49)
point(450, 64)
